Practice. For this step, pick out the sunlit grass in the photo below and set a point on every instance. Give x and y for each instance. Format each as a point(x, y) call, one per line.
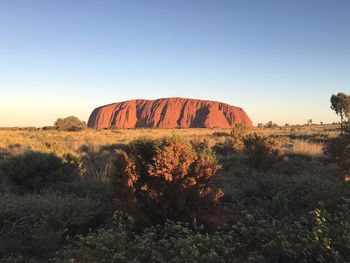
point(303, 147)
point(59, 142)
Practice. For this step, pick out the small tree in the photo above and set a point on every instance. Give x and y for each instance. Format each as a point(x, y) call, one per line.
point(340, 103)
point(70, 123)
point(270, 124)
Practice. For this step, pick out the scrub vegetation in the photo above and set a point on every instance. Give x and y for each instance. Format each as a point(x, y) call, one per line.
point(270, 194)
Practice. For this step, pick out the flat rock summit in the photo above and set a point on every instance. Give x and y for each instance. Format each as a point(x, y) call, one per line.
point(168, 113)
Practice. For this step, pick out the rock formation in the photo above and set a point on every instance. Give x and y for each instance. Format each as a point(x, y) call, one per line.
point(168, 113)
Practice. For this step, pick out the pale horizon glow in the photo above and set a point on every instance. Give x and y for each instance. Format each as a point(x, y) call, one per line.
point(279, 60)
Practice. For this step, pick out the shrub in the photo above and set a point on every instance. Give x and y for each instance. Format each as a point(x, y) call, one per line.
point(220, 134)
point(313, 237)
point(225, 148)
point(239, 130)
point(34, 171)
point(171, 242)
point(237, 135)
point(317, 236)
point(338, 149)
point(167, 178)
point(262, 151)
point(233, 142)
point(70, 123)
point(35, 224)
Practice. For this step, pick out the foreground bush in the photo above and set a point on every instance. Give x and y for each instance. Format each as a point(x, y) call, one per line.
point(262, 151)
point(171, 242)
point(318, 236)
point(166, 178)
point(36, 224)
point(34, 171)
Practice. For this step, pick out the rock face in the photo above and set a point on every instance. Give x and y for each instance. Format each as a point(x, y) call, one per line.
point(168, 113)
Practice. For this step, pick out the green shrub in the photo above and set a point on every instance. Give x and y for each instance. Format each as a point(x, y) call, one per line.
point(171, 242)
point(34, 171)
point(35, 224)
point(316, 236)
point(233, 141)
point(221, 134)
point(95, 173)
point(70, 123)
point(224, 148)
point(338, 149)
point(167, 178)
point(313, 237)
point(262, 151)
point(231, 145)
point(239, 130)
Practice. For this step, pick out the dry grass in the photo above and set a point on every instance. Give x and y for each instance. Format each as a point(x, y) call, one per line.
point(70, 142)
point(309, 148)
point(331, 130)
point(60, 143)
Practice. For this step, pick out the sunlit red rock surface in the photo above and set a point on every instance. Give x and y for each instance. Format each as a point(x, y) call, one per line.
point(168, 113)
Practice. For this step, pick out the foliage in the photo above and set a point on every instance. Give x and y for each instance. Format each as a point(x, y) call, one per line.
point(317, 236)
point(313, 237)
point(338, 148)
point(239, 130)
point(171, 242)
point(297, 210)
point(70, 123)
point(220, 134)
point(270, 124)
point(34, 171)
point(340, 103)
point(233, 142)
point(167, 178)
point(35, 224)
point(227, 147)
point(262, 151)
point(290, 214)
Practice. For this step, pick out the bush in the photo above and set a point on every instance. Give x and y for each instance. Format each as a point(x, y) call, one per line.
point(317, 236)
point(237, 136)
point(262, 151)
point(338, 149)
point(225, 148)
point(70, 123)
point(233, 141)
point(313, 237)
point(171, 242)
point(35, 224)
point(95, 174)
point(220, 134)
point(167, 178)
point(34, 171)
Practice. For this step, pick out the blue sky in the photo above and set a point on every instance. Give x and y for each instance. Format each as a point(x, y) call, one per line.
point(279, 60)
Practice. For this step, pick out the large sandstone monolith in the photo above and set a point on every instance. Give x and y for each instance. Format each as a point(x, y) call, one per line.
point(168, 113)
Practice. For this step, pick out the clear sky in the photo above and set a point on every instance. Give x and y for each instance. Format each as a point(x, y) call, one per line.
point(279, 60)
